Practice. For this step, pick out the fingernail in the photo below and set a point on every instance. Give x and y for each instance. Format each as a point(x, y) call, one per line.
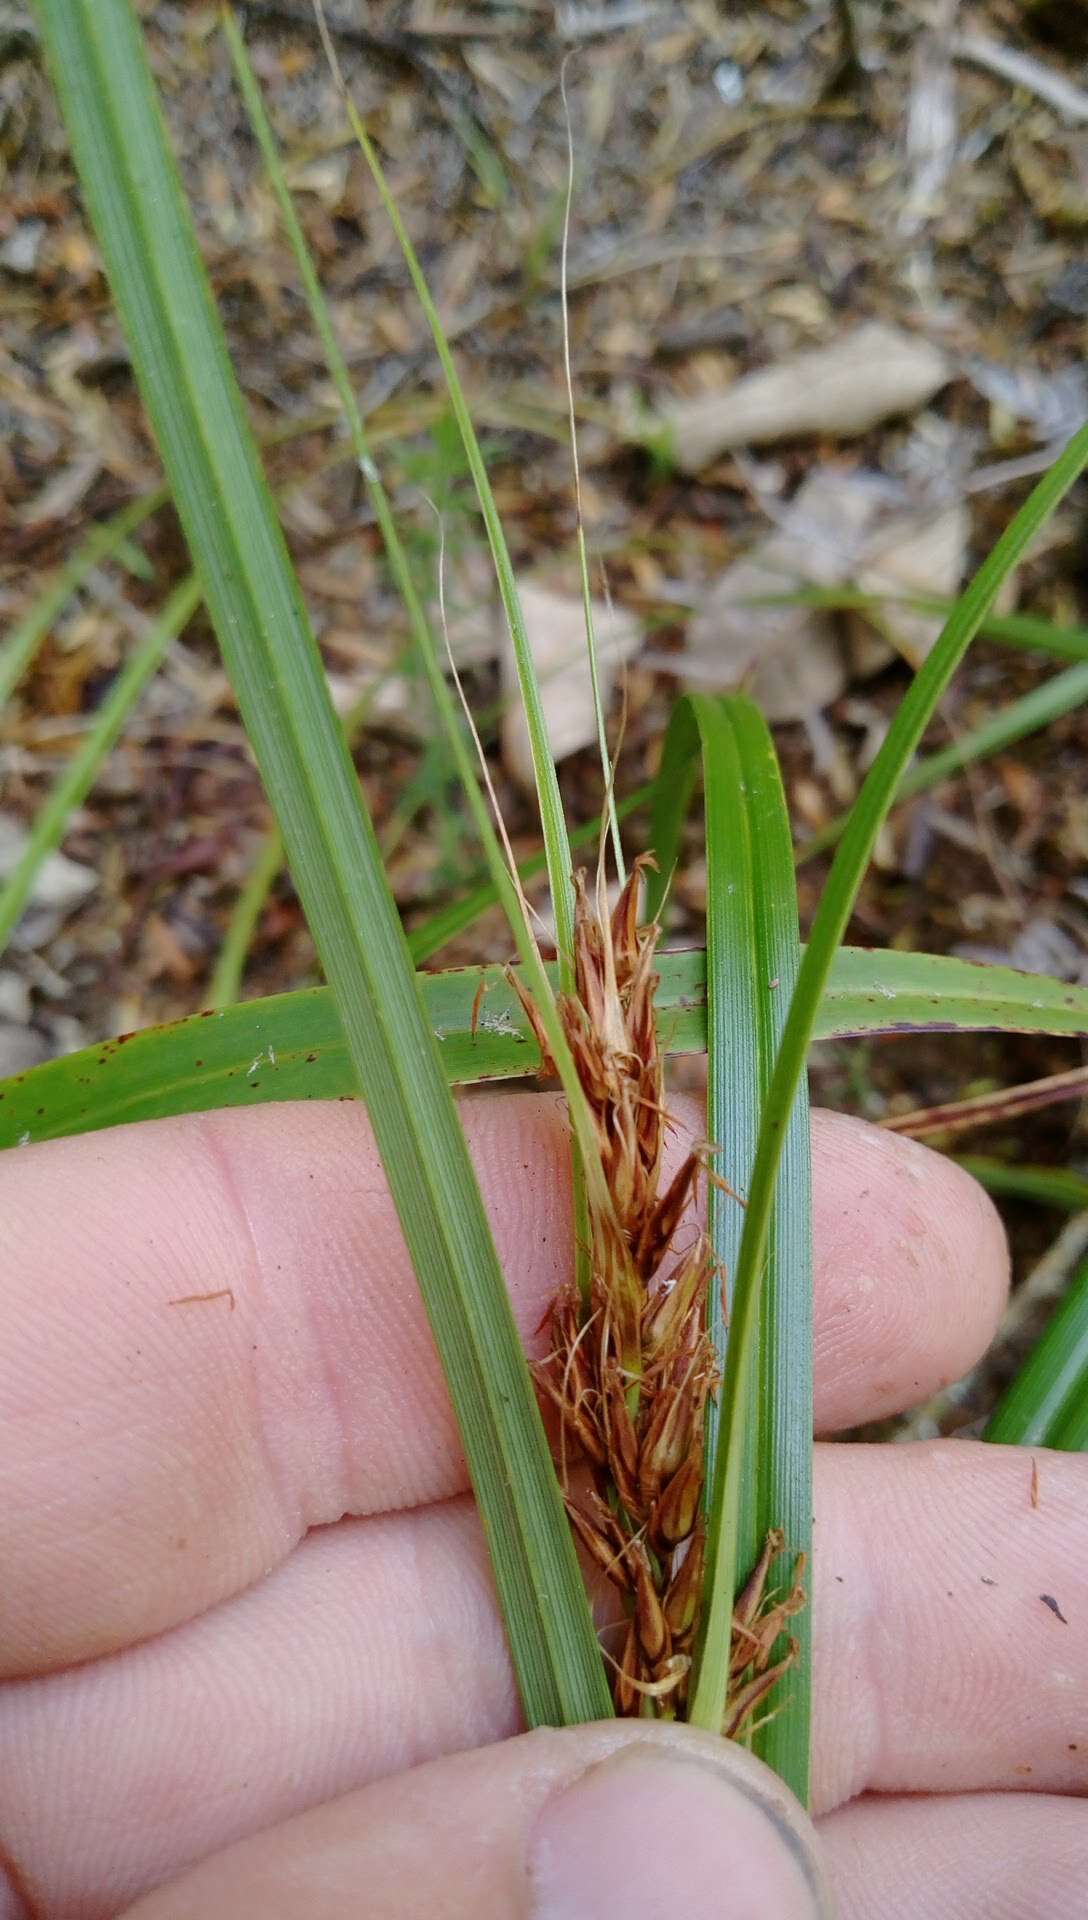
point(653, 1836)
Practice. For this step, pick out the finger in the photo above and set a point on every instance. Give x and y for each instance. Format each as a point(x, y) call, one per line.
point(578, 1825)
point(378, 1646)
point(984, 1856)
point(952, 1608)
point(211, 1339)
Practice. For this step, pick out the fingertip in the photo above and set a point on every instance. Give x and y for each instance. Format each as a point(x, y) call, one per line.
point(913, 1270)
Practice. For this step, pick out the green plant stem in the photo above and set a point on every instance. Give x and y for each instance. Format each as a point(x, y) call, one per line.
point(583, 558)
point(226, 981)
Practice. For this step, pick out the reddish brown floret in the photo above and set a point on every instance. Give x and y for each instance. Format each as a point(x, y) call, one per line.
point(631, 1366)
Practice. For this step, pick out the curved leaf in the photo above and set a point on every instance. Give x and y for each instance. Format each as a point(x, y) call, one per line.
point(290, 1046)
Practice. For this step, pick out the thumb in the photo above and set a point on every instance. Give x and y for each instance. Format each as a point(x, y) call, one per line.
point(639, 1819)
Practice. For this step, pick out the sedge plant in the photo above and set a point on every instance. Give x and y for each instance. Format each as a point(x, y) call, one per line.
point(681, 1378)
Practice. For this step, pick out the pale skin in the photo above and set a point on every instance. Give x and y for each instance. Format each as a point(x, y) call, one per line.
point(250, 1657)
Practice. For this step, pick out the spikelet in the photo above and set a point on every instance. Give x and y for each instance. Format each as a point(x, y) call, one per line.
point(630, 1369)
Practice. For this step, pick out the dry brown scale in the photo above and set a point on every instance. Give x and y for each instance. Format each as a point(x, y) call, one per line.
point(631, 1368)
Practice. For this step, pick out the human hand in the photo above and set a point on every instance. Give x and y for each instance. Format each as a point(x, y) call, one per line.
point(218, 1686)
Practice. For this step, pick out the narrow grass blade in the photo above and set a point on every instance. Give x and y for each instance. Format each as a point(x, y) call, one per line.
point(106, 540)
point(1069, 1434)
point(553, 824)
point(291, 1046)
point(1029, 714)
point(752, 959)
point(869, 812)
point(1049, 1395)
point(1031, 633)
point(78, 777)
point(583, 560)
point(585, 1158)
point(226, 981)
point(100, 69)
point(1008, 1180)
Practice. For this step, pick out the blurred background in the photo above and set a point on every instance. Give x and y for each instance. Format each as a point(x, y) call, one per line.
point(828, 305)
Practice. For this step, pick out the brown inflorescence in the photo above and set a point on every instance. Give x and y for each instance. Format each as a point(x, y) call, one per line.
point(631, 1366)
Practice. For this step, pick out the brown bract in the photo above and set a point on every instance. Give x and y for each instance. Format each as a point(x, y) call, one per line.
point(631, 1365)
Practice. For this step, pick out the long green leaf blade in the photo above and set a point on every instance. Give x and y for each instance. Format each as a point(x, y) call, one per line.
point(100, 70)
point(1046, 1398)
point(1029, 632)
point(1008, 1179)
point(752, 960)
point(291, 1046)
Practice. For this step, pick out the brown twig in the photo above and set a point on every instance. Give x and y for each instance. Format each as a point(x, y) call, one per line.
point(988, 1109)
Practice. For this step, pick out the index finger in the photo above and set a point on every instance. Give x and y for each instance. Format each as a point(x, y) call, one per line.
point(211, 1339)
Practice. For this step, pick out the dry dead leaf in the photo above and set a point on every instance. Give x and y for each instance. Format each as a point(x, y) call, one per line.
point(789, 658)
point(923, 554)
point(843, 389)
point(837, 531)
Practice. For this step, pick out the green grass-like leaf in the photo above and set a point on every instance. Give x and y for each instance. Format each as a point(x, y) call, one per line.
point(752, 959)
point(100, 70)
point(1031, 712)
point(291, 1046)
point(1008, 1179)
point(78, 777)
point(1046, 1404)
point(552, 820)
point(867, 816)
point(1029, 632)
point(102, 543)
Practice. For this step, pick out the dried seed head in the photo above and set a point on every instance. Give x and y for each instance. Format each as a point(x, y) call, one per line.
point(655, 1639)
point(676, 1512)
point(685, 1588)
point(631, 1367)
